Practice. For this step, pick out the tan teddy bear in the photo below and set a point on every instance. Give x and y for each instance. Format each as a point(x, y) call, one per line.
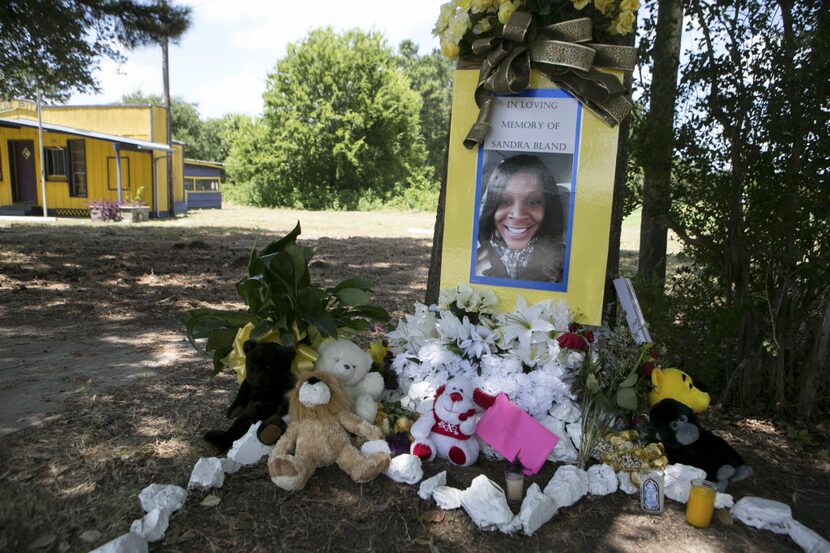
point(318, 436)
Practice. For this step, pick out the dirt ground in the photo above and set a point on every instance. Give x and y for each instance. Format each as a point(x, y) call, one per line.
point(100, 395)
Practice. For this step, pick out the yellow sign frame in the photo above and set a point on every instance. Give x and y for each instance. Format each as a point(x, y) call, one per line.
point(587, 252)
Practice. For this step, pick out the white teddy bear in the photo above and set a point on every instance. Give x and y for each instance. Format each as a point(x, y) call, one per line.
point(351, 365)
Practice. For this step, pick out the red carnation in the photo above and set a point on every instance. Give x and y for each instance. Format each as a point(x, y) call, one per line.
point(569, 340)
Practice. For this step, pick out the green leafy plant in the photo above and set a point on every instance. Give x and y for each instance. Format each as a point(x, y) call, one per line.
point(611, 383)
point(281, 298)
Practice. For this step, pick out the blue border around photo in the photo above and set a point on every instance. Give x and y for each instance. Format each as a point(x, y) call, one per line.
point(561, 286)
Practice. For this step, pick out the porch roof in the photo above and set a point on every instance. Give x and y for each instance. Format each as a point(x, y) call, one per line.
point(49, 127)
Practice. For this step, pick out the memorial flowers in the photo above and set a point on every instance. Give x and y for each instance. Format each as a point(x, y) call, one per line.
point(609, 384)
point(517, 353)
point(461, 22)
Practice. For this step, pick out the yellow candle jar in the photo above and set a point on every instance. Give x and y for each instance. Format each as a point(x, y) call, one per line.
point(701, 503)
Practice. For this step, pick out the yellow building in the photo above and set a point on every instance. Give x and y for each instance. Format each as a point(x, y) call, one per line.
point(90, 153)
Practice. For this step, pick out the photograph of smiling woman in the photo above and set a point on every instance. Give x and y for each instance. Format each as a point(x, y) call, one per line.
point(521, 224)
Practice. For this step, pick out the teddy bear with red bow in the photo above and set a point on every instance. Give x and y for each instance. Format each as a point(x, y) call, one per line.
point(446, 426)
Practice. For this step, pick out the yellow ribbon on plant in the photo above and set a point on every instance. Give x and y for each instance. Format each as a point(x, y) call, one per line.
point(304, 358)
point(563, 52)
point(236, 358)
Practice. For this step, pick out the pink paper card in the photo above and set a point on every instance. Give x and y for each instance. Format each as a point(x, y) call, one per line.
point(515, 434)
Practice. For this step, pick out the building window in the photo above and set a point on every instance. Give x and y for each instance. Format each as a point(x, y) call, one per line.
point(112, 173)
point(201, 184)
point(77, 164)
point(55, 164)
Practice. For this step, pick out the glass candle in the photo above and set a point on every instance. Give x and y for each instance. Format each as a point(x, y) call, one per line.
point(515, 485)
point(701, 503)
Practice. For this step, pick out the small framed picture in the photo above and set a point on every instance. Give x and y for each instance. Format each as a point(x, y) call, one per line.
point(525, 190)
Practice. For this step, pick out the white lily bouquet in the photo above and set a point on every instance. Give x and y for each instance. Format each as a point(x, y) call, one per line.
point(527, 353)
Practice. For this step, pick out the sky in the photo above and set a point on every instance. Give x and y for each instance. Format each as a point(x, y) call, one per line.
point(222, 61)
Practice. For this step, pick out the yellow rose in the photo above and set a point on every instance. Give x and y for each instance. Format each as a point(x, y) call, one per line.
point(378, 352)
point(604, 6)
point(580, 4)
point(459, 26)
point(481, 5)
point(447, 11)
point(629, 5)
point(482, 26)
point(624, 23)
point(463, 4)
point(505, 11)
point(403, 424)
point(450, 50)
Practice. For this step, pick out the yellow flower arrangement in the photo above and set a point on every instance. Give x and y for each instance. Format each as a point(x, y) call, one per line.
point(624, 451)
point(460, 22)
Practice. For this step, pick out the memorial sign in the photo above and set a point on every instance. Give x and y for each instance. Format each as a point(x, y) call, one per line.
point(528, 210)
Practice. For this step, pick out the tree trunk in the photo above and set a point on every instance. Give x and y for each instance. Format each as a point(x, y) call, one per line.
point(169, 129)
point(819, 362)
point(660, 144)
point(434, 276)
point(612, 270)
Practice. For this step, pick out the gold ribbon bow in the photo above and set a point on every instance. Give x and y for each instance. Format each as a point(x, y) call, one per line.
point(304, 358)
point(563, 52)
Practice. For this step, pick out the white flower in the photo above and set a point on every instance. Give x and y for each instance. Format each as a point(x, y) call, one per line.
point(458, 27)
point(489, 300)
point(574, 358)
point(418, 393)
point(434, 354)
point(446, 297)
point(449, 328)
point(400, 362)
point(400, 339)
point(558, 313)
point(526, 324)
point(447, 11)
point(422, 323)
point(466, 297)
point(479, 340)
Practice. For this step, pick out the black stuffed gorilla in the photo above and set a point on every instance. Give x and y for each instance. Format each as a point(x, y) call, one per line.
point(261, 396)
point(687, 443)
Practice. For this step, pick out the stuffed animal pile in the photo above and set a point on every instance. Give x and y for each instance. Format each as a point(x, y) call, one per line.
point(319, 435)
point(261, 396)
